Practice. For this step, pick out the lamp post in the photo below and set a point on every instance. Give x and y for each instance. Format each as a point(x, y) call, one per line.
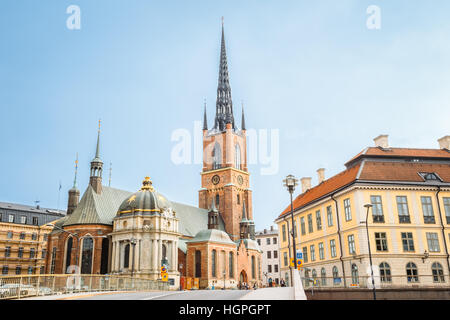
point(368, 206)
point(290, 183)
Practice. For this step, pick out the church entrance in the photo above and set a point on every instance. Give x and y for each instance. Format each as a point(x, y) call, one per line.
point(243, 279)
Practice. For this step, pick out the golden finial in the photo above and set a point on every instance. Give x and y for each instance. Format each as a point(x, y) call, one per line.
point(99, 124)
point(147, 184)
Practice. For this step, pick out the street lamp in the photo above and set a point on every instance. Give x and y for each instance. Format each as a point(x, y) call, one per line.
point(290, 183)
point(368, 206)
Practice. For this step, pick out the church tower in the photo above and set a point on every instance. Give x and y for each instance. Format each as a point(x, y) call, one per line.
point(225, 177)
point(95, 179)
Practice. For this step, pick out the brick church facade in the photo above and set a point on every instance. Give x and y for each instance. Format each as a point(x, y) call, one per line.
point(112, 231)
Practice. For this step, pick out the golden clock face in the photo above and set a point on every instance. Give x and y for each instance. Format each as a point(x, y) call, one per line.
point(215, 179)
point(240, 180)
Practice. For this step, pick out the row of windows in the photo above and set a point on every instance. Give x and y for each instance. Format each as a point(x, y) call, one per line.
point(269, 268)
point(274, 241)
point(377, 213)
point(12, 218)
point(381, 245)
point(275, 254)
point(18, 270)
point(403, 209)
point(20, 252)
point(22, 235)
point(411, 273)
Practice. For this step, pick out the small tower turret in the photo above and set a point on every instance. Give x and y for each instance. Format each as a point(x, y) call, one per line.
point(74, 193)
point(97, 167)
point(213, 216)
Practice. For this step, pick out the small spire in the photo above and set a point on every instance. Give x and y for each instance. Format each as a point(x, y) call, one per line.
point(110, 173)
point(76, 171)
point(243, 118)
point(205, 120)
point(97, 151)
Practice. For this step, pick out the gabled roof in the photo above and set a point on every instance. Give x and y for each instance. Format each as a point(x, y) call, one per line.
point(326, 187)
point(97, 208)
point(378, 152)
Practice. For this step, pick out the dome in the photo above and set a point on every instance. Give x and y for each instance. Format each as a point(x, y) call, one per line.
point(212, 235)
point(145, 200)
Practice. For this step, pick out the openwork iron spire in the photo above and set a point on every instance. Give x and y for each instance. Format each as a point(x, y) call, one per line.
point(76, 171)
point(224, 105)
point(205, 120)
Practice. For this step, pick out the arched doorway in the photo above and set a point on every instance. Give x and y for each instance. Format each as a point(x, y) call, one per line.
point(242, 278)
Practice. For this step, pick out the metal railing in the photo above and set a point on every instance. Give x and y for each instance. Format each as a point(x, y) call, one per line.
point(16, 287)
point(386, 282)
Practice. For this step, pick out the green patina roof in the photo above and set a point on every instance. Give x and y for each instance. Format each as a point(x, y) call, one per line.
point(212, 235)
point(97, 208)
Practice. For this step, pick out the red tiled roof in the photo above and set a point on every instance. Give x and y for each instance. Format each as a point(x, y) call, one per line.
point(400, 171)
point(327, 186)
point(372, 171)
point(402, 152)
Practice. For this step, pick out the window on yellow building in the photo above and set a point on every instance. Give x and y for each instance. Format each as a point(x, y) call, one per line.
point(285, 259)
point(310, 223)
point(321, 252)
point(7, 252)
point(318, 220)
point(5, 270)
point(438, 272)
point(381, 241)
point(305, 254)
point(351, 244)
point(333, 248)
point(427, 208)
point(323, 276)
point(447, 209)
point(385, 272)
point(18, 270)
point(302, 225)
point(313, 252)
point(377, 209)
point(411, 272)
point(20, 253)
point(402, 208)
point(329, 216)
point(407, 241)
point(347, 210)
point(433, 242)
point(335, 275)
point(284, 232)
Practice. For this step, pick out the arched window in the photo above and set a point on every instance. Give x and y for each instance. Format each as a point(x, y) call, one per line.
point(217, 201)
point(231, 264)
point(314, 274)
point(104, 257)
point(411, 272)
point(385, 272)
point(126, 256)
point(438, 272)
point(253, 268)
point(217, 157)
point(237, 156)
point(335, 275)
point(198, 264)
point(306, 281)
point(69, 245)
point(86, 255)
point(52, 266)
point(323, 275)
point(355, 274)
point(214, 263)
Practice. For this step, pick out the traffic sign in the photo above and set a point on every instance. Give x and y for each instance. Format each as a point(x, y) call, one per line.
point(165, 277)
point(299, 263)
point(299, 254)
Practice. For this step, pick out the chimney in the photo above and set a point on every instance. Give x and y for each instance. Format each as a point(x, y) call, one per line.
point(265, 231)
point(321, 174)
point(271, 228)
point(306, 183)
point(382, 141)
point(444, 142)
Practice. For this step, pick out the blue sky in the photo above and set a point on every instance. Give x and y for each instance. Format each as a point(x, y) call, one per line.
point(308, 68)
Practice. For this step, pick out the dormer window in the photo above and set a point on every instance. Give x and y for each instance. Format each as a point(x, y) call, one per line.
point(430, 176)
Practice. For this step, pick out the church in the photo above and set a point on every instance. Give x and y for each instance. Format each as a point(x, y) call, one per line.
point(113, 231)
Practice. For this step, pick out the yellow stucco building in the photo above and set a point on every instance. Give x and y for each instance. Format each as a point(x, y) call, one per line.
point(408, 221)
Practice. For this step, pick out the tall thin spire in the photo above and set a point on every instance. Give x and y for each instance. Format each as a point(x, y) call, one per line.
point(110, 173)
point(76, 171)
point(97, 150)
point(243, 118)
point(205, 120)
point(224, 104)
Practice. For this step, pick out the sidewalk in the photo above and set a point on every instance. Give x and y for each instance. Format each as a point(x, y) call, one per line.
point(279, 293)
point(69, 296)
